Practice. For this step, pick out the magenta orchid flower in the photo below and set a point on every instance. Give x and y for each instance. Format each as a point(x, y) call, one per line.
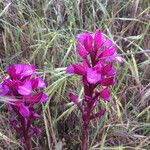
point(21, 89)
point(98, 55)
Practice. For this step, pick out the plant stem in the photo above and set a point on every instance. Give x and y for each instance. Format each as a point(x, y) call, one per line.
point(84, 136)
point(28, 144)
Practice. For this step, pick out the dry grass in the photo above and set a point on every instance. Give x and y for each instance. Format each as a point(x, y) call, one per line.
point(43, 33)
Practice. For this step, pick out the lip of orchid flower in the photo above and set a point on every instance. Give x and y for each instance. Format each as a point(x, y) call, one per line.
point(20, 71)
point(25, 89)
point(93, 76)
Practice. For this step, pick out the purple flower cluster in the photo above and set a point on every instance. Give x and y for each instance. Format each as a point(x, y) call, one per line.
point(22, 90)
point(98, 54)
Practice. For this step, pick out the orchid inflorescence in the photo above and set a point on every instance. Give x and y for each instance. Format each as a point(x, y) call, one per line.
point(98, 54)
point(21, 89)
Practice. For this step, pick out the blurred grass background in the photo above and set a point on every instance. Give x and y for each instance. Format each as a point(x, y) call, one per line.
point(42, 32)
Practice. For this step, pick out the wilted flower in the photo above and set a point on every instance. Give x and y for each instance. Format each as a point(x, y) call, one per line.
point(21, 89)
point(98, 54)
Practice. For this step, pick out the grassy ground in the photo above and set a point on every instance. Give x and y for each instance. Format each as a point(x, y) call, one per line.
point(42, 32)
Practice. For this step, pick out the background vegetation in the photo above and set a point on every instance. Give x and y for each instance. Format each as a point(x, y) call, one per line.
point(42, 32)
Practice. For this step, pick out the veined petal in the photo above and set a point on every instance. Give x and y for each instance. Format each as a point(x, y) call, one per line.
point(20, 70)
point(86, 40)
point(108, 81)
point(106, 69)
point(11, 71)
point(28, 70)
point(108, 43)
point(112, 72)
point(76, 69)
point(82, 51)
point(38, 83)
point(25, 89)
point(99, 114)
point(23, 110)
point(109, 52)
point(93, 76)
point(105, 94)
point(88, 43)
point(4, 89)
point(73, 98)
point(98, 40)
point(38, 97)
point(44, 98)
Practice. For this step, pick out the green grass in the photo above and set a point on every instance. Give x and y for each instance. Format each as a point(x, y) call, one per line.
point(43, 33)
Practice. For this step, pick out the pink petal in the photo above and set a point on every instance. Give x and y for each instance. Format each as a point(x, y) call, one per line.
point(99, 114)
point(99, 53)
point(81, 50)
point(105, 94)
point(24, 111)
point(106, 69)
point(109, 52)
point(108, 43)
point(44, 98)
point(25, 89)
point(11, 71)
point(19, 68)
point(98, 40)
point(38, 97)
point(86, 40)
point(88, 43)
point(28, 70)
point(4, 89)
point(81, 38)
point(108, 81)
point(93, 76)
point(112, 72)
point(76, 69)
point(38, 83)
point(73, 98)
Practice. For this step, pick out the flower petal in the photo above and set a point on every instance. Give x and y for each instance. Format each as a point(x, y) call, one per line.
point(99, 114)
point(86, 40)
point(28, 70)
point(25, 89)
point(23, 110)
point(108, 81)
point(93, 76)
point(38, 83)
point(108, 43)
point(82, 51)
point(109, 52)
point(105, 94)
point(4, 89)
point(73, 98)
point(38, 97)
point(20, 70)
point(76, 69)
point(98, 40)
point(106, 69)
point(11, 71)
point(44, 98)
